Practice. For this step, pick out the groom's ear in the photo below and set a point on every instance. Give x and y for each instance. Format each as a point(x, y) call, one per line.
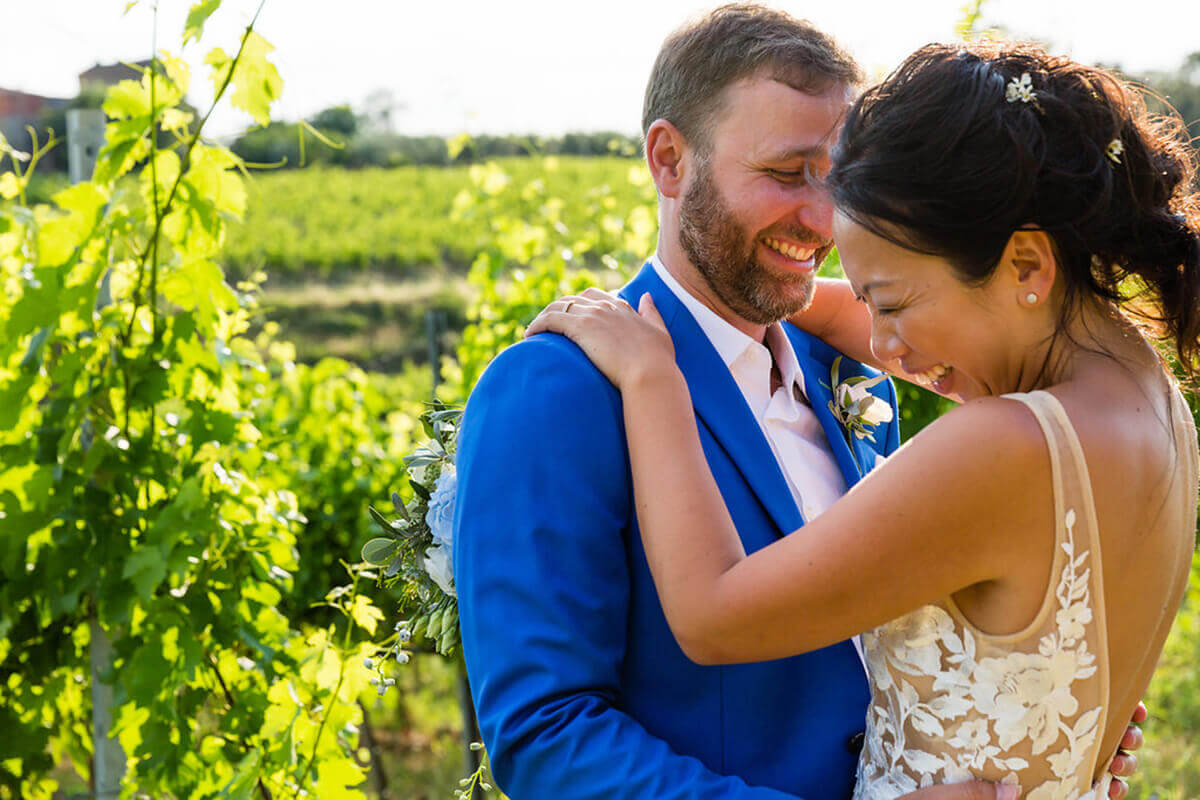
point(666, 152)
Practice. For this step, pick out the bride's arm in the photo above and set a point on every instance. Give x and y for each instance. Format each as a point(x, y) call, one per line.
point(938, 516)
point(836, 316)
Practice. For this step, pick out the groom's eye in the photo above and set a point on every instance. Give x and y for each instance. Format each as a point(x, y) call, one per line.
point(787, 175)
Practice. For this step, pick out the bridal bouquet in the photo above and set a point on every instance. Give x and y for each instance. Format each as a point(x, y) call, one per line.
point(415, 550)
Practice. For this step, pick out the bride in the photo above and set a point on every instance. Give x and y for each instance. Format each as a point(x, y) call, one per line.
point(1018, 228)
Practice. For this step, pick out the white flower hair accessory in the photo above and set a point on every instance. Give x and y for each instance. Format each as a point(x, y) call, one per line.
point(1114, 150)
point(1021, 89)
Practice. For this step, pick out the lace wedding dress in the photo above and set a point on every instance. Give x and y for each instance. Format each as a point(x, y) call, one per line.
point(951, 703)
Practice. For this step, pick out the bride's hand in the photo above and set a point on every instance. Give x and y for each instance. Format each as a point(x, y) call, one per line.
point(624, 344)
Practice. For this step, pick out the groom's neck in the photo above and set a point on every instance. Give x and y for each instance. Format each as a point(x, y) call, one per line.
point(693, 282)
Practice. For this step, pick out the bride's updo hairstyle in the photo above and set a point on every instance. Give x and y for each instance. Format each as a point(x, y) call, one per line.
point(957, 149)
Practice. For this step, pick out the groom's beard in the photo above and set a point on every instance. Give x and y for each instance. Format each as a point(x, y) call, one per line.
point(719, 248)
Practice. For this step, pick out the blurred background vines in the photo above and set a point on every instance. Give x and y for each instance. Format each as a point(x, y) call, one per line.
point(206, 374)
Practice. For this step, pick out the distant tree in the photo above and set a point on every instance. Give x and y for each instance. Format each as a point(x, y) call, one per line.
point(1180, 88)
point(277, 142)
point(336, 120)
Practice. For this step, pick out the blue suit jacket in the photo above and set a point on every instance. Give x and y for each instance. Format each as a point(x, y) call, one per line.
point(580, 687)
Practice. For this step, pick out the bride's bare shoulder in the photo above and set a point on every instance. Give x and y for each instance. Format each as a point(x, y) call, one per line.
point(988, 424)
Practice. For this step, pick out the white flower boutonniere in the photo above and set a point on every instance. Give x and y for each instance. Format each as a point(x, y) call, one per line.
point(855, 407)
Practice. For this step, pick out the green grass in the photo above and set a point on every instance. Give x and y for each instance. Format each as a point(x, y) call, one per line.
point(376, 322)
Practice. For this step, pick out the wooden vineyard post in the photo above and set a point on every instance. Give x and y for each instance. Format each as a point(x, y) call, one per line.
point(85, 138)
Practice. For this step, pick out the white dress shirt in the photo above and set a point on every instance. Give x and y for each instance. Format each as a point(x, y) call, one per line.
point(787, 421)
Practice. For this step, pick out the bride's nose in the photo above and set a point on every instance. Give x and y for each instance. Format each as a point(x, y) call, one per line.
point(886, 343)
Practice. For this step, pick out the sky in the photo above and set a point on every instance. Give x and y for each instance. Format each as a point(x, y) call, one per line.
point(523, 66)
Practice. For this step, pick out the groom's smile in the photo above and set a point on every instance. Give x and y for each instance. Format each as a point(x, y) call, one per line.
point(802, 257)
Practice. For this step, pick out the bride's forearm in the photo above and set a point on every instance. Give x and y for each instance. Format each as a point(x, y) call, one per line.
point(688, 535)
point(838, 318)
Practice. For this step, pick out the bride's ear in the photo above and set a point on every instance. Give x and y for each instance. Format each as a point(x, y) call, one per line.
point(1030, 263)
point(666, 156)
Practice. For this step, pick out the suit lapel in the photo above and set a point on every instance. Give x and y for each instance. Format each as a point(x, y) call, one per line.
point(718, 401)
point(818, 388)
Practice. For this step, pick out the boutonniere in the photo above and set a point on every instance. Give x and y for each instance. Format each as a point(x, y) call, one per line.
point(855, 407)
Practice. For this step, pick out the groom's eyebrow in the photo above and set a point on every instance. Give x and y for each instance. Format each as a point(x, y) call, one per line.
point(801, 153)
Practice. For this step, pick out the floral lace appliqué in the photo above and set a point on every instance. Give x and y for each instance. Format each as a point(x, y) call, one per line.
point(948, 706)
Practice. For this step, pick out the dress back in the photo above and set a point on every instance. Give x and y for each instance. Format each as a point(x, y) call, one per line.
point(952, 703)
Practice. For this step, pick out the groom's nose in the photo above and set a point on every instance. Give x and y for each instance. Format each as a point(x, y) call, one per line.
point(815, 212)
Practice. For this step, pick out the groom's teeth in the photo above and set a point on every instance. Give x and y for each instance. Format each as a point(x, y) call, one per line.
point(792, 251)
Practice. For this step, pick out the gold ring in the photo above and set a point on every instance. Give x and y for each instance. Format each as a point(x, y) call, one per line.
point(567, 307)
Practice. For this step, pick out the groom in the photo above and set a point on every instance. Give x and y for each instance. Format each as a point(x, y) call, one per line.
point(580, 687)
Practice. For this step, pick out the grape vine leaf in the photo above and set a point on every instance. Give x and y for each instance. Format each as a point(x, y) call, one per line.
point(256, 83)
point(193, 29)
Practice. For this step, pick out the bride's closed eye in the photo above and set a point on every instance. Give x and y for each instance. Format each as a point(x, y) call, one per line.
point(884, 310)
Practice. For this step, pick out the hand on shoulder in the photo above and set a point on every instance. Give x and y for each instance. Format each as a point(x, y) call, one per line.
point(626, 345)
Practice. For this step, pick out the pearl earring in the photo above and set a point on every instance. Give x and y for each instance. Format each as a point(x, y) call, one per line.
point(1031, 298)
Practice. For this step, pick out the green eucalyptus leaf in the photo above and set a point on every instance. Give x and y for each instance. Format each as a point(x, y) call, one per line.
point(398, 504)
point(379, 551)
point(381, 520)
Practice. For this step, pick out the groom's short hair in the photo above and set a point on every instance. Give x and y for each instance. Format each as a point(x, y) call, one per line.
point(699, 60)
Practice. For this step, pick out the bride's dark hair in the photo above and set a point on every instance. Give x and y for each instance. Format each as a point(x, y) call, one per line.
point(944, 158)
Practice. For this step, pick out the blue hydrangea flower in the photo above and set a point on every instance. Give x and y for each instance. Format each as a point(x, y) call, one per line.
point(440, 517)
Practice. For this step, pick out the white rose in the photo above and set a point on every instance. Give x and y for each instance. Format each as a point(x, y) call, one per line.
point(871, 409)
point(877, 411)
point(439, 567)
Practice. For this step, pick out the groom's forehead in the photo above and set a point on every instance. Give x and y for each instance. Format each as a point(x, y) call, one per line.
point(783, 122)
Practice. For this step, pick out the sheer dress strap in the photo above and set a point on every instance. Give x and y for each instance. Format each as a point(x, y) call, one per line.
point(1077, 528)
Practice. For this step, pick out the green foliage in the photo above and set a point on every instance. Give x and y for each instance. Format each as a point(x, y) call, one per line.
point(1170, 762)
point(337, 437)
point(536, 251)
point(146, 487)
point(338, 119)
point(401, 221)
point(1181, 89)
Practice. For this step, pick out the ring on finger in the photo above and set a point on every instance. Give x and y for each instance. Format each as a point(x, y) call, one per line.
point(567, 307)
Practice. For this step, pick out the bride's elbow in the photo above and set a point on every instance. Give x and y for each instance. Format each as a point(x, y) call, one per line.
point(703, 645)
point(703, 655)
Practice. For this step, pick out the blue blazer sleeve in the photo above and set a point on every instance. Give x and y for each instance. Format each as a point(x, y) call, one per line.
point(892, 438)
point(541, 567)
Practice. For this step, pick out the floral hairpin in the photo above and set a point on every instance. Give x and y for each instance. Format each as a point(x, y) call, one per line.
point(1114, 150)
point(1021, 89)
